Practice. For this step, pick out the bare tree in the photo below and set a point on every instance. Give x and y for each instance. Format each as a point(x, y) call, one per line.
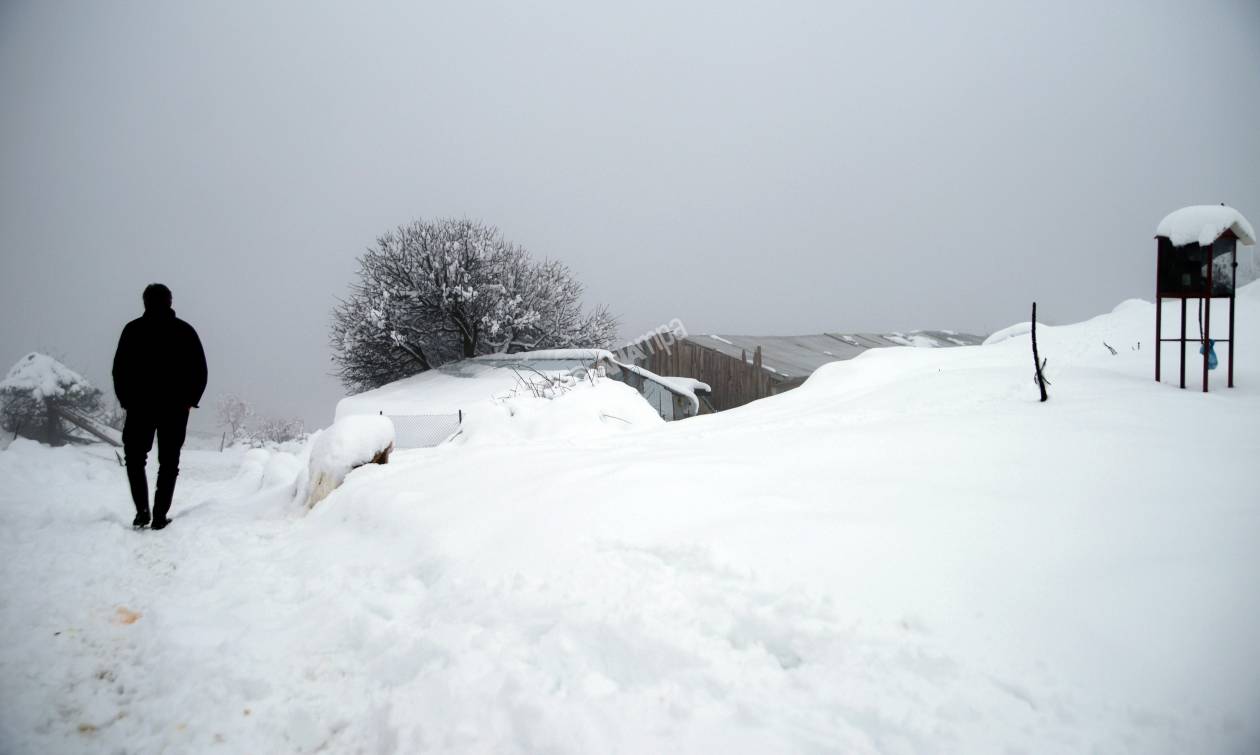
point(234, 414)
point(434, 292)
point(278, 431)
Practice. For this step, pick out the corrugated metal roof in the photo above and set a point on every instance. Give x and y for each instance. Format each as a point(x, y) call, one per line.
point(796, 357)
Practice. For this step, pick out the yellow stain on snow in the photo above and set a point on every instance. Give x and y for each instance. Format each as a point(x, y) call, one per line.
point(126, 616)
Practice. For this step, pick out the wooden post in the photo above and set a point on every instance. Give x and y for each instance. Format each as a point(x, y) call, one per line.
point(1041, 380)
point(758, 391)
point(52, 424)
point(1233, 287)
point(1206, 335)
point(1231, 341)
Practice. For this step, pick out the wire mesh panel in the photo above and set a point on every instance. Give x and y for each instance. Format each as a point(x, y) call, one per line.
point(423, 430)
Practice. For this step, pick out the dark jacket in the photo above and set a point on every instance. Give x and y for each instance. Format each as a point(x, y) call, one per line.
point(159, 363)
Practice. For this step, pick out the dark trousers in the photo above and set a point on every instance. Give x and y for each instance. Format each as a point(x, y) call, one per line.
point(170, 425)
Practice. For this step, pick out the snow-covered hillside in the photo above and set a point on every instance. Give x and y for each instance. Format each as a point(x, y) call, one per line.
point(907, 554)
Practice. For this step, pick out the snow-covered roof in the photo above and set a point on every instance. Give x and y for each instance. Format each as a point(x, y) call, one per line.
point(43, 377)
point(789, 358)
point(1204, 224)
point(444, 390)
point(457, 385)
point(549, 355)
point(683, 386)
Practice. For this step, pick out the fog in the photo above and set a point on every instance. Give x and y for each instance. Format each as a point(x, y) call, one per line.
point(764, 168)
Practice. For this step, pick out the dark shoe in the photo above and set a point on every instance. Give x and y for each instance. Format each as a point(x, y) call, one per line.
point(159, 523)
point(142, 518)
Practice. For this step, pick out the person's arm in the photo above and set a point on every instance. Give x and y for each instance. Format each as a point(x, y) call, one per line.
point(198, 371)
point(123, 368)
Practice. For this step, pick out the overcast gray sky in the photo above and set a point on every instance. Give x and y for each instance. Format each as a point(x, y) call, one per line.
point(746, 168)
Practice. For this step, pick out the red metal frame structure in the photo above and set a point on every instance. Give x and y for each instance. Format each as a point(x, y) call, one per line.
point(1175, 279)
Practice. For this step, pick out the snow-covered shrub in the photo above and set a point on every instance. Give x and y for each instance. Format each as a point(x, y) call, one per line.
point(548, 385)
point(113, 415)
point(241, 424)
point(430, 293)
point(350, 443)
point(35, 388)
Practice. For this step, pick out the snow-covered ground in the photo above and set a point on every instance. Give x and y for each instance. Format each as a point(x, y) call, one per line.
point(907, 554)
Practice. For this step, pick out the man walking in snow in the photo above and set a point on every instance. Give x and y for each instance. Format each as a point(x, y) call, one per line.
point(159, 376)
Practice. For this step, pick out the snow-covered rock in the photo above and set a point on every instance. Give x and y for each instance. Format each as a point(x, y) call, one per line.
point(351, 442)
point(1203, 224)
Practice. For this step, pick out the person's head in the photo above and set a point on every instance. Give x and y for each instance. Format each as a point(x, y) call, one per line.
point(156, 297)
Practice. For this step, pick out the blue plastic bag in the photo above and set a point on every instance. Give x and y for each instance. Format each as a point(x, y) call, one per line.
point(1211, 350)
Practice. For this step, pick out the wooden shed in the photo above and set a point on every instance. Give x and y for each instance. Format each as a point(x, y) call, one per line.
point(741, 369)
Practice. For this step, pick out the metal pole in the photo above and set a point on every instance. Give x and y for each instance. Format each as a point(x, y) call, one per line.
point(1183, 342)
point(1159, 310)
point(1207, 331)
point(1231, 341)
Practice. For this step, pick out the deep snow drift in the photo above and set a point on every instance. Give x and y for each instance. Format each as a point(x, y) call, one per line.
point(907, 554)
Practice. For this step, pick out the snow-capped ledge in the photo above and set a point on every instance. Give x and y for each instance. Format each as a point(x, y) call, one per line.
point(350, 443)
point(1204, 224)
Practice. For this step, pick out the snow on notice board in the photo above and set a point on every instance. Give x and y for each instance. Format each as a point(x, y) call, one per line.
point(1204, 224)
